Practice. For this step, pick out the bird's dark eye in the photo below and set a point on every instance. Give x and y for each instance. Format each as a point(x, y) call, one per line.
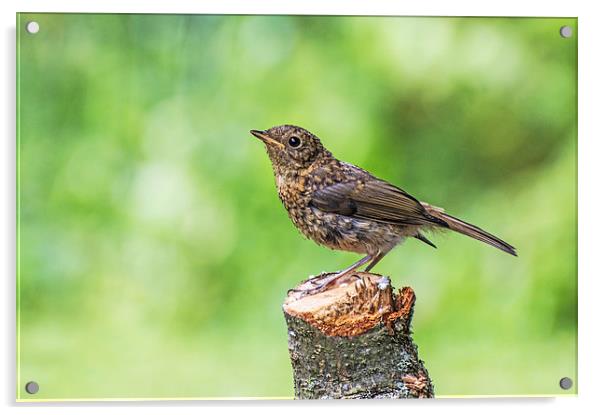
point(294, 141)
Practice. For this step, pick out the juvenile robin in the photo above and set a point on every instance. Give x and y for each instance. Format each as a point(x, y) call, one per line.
point(344, 207)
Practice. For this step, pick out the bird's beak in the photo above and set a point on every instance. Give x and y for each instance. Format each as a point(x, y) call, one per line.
point(264, 136)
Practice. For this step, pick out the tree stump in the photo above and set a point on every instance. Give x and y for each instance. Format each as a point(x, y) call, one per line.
point(354, 341)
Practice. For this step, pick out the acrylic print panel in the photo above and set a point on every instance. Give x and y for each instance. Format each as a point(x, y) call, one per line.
point(154, 254)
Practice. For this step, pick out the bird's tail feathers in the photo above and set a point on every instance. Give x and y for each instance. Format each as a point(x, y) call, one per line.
point(468, 229)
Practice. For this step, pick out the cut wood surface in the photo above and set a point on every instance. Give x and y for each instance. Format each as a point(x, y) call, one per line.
point(354, 341)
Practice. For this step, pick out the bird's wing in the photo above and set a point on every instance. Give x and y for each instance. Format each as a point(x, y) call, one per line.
point(372, 199)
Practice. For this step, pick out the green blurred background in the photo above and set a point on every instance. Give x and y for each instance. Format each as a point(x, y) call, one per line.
point(154, 253)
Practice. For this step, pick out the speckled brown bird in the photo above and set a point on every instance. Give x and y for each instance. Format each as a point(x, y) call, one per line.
point(344, 207)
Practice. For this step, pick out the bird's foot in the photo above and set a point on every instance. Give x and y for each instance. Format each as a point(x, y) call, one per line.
point(322, 282)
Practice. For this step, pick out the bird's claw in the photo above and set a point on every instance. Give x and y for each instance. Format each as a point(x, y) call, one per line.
point(319, 287)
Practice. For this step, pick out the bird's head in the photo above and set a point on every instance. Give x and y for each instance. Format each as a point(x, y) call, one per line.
point(290, 147)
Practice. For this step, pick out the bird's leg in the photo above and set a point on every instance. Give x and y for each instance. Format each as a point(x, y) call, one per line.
point(327, 280)
point(376, 259)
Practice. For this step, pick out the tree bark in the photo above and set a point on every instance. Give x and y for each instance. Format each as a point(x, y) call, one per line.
point(354, 341)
